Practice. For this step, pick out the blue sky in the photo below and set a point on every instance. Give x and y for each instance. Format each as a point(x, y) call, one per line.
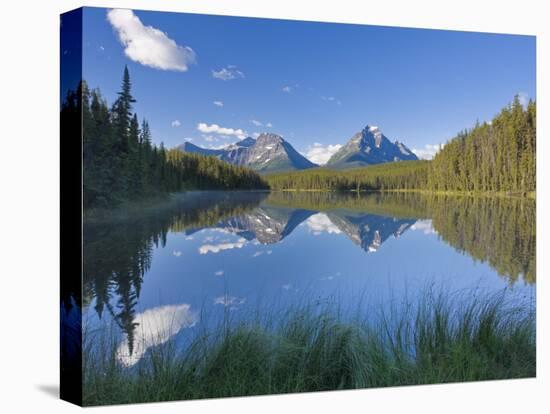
point(215, 79)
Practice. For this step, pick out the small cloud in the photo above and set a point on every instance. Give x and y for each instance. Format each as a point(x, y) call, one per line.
point(175, 123)
point(228, 73)
point(320, 154)
point(331, 99)
point(216, 248)
point(219, 273)
point(216, 147)
point(288, 286)
point(256, 134)
point(227, 300)
point(327, 278)
point(210, 138)
point(176, 253)
point(269, 252)
point(148, 45)
point(424, 226)
point(320, 223)
point(258, 253)
point(255, 122)
point(188, 140)
point(428, 152)
point(287, 89)
point(218, 103)
point(269, 125)
point(216, 129)
point(102, 48)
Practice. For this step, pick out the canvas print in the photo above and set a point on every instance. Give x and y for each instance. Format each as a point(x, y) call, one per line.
point(258, 206)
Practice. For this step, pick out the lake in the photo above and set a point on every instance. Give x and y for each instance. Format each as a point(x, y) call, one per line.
point(166, 271)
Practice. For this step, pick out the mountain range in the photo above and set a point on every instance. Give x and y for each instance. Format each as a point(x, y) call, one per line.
point(271, 153)
point(270, 225)
point(268, 153)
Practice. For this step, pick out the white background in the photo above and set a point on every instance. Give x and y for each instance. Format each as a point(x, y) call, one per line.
point(29, 193)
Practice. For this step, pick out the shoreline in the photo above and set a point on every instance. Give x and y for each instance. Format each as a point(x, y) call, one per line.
point(152, 202)
point(308, 350)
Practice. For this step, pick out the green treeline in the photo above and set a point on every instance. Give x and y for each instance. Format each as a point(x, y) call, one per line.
point(491, 157)
point(121, 163)
point(388, 176)
point(496, 156)
point(498, 230)
point(197, 171)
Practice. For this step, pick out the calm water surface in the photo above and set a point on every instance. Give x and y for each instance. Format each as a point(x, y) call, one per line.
point(168, 271)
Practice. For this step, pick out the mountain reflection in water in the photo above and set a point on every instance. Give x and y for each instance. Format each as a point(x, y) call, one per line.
point(119, 251)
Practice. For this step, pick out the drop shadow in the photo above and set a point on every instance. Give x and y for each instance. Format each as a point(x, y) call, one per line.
point(49, 389)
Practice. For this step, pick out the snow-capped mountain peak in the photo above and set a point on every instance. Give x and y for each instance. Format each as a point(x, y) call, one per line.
point(269, 152)
point(370, 146)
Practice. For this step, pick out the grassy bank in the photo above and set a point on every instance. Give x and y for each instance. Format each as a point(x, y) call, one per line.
point(310, 350)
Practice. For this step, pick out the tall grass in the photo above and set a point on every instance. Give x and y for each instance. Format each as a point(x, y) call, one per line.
point(439, 340)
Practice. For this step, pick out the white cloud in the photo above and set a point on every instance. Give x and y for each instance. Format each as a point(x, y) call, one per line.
point(175, 123)
point(176, 253)
point(219, 273)
point(320, 223)
point(188, 139)
point(210, 138)
point(148, 45)
point(258, 253)
point(102, 48)
point(424, 226)
point(320, 154)
point(217, 147)
point(227, 300)
point(256, 122)
point(216, 248)
point(154, 327)
point(256, 134)
point(287, 89)
point(428, 152)
point(269, 125)
point(216, 129)
point(228, 73)
point(331, 99)
point(218, 103)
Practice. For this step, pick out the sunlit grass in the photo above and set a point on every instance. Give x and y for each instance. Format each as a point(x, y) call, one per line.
point(310, 349)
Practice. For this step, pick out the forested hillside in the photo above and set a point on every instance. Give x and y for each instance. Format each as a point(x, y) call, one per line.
point(121, 163)
point(495, 156)
point(387, 176)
